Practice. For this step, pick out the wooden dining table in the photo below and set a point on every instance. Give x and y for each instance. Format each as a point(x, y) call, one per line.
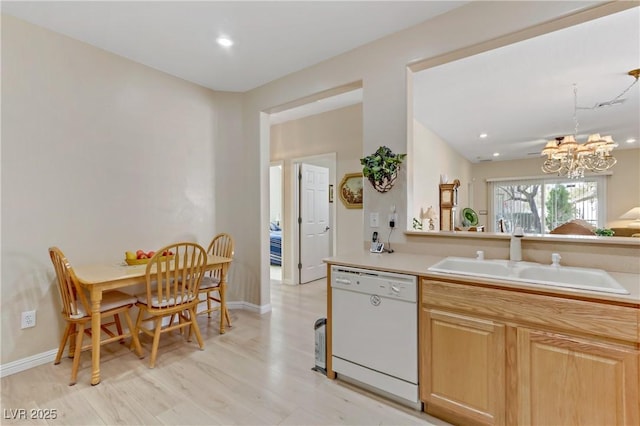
point(98, 277)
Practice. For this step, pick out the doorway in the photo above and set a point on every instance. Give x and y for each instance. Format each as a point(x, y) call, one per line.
point(290, 273)
point(276, 206)
point(309, 131)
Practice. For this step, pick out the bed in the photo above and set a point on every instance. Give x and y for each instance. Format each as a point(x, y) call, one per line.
point(275, 244)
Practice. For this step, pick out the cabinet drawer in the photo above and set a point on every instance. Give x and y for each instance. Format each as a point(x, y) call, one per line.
point(600, 319)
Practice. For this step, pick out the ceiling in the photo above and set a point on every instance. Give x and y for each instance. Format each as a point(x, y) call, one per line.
point(271, 38)
point(521, 95)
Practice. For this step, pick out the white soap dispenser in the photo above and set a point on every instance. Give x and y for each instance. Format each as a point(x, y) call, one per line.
point(515, 248)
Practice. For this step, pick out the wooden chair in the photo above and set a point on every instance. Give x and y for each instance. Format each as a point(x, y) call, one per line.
point(221, 245)
point(77, 313)
point(172, 290)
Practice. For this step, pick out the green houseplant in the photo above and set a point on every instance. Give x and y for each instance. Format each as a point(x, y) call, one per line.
point(381, 168)
point(604, 232)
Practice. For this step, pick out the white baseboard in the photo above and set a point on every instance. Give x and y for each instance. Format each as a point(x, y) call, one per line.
point(23, 364)
point(261, 309)
point(28, 362)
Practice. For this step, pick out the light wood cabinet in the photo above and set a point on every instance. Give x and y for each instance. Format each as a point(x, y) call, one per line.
point(466, 363)
point(568, 380)
point(498, 356)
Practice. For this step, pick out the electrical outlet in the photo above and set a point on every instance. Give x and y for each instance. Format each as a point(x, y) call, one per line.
point(374, 220)
point(28, 319)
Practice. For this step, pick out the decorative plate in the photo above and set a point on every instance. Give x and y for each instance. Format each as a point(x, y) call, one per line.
point(469, 214)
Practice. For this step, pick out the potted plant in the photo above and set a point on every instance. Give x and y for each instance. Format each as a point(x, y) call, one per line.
point(605, 232)
point(381, 168)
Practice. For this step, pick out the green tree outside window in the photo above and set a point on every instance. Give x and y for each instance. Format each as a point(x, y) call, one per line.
point(559, 208)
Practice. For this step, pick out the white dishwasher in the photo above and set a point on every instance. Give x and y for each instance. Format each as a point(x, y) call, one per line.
point(374, 328)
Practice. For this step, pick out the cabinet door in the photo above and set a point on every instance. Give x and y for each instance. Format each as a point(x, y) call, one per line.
point(463, 366)
point(567, 380)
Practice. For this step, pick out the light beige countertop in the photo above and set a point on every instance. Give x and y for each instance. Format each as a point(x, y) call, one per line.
point(418, 264)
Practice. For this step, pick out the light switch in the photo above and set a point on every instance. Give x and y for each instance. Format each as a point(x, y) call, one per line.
point(374, 220)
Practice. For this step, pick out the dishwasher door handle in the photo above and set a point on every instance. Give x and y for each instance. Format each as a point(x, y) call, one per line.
point(343, 281)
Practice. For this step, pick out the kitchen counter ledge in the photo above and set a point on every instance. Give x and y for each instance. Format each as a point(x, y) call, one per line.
point(552, 238)
point(418, 264)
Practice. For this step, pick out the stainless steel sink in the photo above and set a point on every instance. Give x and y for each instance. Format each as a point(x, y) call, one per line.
point(532, 273)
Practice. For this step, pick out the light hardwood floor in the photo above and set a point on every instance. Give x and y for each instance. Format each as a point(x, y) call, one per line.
point(258, 373)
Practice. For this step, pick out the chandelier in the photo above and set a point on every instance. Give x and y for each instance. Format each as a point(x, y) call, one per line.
point(567, 157)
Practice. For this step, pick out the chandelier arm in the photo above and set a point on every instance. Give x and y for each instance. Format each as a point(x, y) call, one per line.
point(628, 88)
point(552, 165)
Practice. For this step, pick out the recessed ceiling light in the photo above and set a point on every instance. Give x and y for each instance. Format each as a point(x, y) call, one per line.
point(483, 135)
point(496, 154)
point(630, 140)
point(224, 41)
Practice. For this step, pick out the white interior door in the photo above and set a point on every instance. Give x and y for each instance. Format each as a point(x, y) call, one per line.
point(314, 222)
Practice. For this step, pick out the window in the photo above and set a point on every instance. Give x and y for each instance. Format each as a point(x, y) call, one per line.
point(541, 204)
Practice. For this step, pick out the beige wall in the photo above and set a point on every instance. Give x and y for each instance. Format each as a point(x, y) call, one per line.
point(340, 132)
point(623, 191)
point(433, 157)
point(100, 155)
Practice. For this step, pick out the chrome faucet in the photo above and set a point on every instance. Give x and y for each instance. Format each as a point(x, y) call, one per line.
point(555, 259)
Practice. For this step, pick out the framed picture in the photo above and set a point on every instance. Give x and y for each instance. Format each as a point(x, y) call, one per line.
point(331, 193)
point(350, 190)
